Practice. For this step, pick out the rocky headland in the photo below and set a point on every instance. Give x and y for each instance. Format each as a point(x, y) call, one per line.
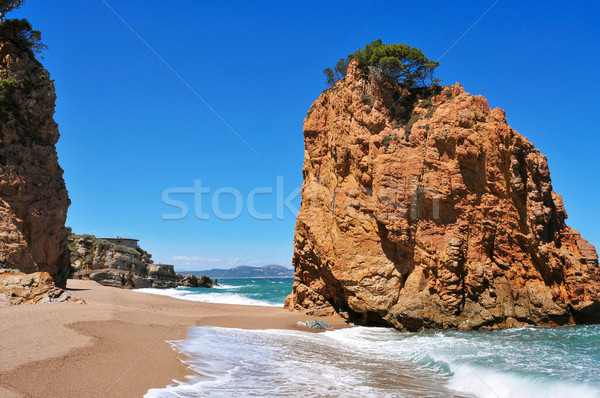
point(115, 265)
point(426, 210)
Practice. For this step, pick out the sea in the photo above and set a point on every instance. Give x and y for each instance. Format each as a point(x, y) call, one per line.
point(374, 361)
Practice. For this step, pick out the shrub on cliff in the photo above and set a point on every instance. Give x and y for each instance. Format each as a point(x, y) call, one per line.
point(408, 65)
point(19, 31)
point(8, 87)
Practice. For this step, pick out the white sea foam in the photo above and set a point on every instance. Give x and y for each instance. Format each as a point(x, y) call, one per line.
point(485, 383)
point(276, 363)
point(209, 297)
point(451, 355)
point(222, 286)
point(377, 362)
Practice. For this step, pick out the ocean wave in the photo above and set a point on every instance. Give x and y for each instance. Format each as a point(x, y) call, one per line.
point(222, 286)
point(526, 362)
point(486, 383)
point(217, 298)
point(283, 363)
point(371, 361)
point(380, 362)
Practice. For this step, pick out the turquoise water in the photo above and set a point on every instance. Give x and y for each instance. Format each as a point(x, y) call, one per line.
point(380, 362)
point(259, 291)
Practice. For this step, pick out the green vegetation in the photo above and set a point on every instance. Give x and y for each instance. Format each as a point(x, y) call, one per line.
point(88, 259)
point(425, 104)
point(8, 87)
point(19, 31)
point(430, 112)
point(72, 246)
point(405, 64)
point(7, 6)
point(125, 250)
point(409, 125)
point(338, 72)
point(386, 140)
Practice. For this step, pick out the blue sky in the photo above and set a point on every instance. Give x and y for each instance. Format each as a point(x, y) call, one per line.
point(130, 128)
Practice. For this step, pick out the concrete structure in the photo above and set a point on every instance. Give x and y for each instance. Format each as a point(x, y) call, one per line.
point(127, 242)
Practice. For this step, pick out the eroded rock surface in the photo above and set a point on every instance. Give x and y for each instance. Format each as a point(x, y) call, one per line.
point(33, 197)
point(432, 212)
point(34, 288)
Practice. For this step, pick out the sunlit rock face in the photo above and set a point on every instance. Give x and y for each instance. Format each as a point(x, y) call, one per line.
point(426, 212)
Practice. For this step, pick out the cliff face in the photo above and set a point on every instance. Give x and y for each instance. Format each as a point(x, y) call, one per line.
point(33, 197)
point(432, 213)
point(89, 253)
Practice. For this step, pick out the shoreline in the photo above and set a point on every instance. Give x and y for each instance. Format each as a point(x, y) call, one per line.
point(116, 345)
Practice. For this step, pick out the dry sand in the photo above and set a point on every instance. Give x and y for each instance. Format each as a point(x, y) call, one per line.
point(113, 346)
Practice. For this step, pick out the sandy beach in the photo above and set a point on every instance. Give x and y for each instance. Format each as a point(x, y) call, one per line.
point(115, 345)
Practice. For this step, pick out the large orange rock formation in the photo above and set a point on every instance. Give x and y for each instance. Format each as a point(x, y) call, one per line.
point(33, 197)
point(432, 213)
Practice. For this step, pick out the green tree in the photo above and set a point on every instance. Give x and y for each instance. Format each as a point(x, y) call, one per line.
point(408, 65)
point(19, 31)
point(338, 72)
point(7, 6)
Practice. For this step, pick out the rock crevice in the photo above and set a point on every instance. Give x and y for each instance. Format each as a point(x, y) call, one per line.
point(427, 210)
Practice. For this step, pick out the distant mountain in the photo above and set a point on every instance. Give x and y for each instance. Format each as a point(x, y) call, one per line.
point(245, 271)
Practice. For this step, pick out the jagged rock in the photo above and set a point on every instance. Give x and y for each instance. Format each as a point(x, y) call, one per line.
point(34, 288)
point(161, 270)
point(109, 277)
point(33, 197)
point(432, 213)
point(205, 281)
point(137, 282)
point(314, 324)
point(196, 281)
point(91, 253)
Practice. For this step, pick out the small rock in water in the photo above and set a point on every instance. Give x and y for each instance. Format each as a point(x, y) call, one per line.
point(300, 323)
point(314, 324)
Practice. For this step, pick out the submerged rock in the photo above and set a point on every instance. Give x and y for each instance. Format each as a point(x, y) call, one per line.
point(424, 212)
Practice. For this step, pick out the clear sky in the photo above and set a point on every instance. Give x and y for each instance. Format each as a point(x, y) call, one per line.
point(133, 126)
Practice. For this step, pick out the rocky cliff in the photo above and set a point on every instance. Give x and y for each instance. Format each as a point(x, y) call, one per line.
point(428, 210)
point(33, 197)
point(119, 266)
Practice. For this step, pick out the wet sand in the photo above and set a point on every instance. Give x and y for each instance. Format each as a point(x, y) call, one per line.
point(116, 344)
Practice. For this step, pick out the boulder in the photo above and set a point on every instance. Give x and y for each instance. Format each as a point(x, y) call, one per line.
point(34, 288)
